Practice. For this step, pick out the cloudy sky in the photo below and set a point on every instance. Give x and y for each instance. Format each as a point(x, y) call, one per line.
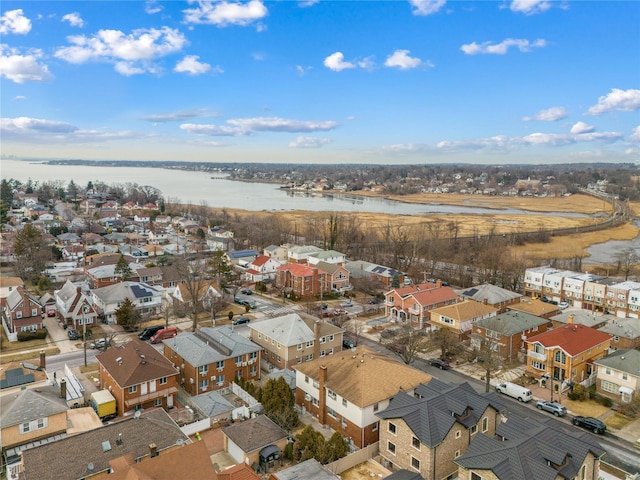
point(391, 82)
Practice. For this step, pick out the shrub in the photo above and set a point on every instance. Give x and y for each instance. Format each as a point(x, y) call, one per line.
point(606, 401)
point(578, 393)
point(39, 334)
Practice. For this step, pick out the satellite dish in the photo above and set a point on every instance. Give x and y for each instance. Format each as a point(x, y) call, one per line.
point(179, 442)
point(137, 414)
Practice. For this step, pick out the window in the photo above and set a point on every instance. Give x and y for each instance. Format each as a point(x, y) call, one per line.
point(322, 353)
point(415, 443)
point(157, 402)
point(332, 413)
point(609, 387)
point(323, 340)
point(538, 348)
point(25, 427)
point(560, 357)
point(331, 338)
point(625, 376)
point(316, 384)
point(163, 381)
point(278, 345)
point(133, 389)
point(538, 365)
point(220, 365)
point(204, 369)
point(374, 427)
point(475, 476)
point(391, 447)
point(220, 380)
point(41, 423)
point(485, 424)
point(344, 402)
point(299, 346)
point(306, 379)
point(331, 394)
point(34, 312)
point(309, 357)
point(376, 407)
point(238, 360)
point(474, 429)
point(458, 433)
point(253, 370)
point(415, 463)
point(456, 454)
point(204, 384)
point(392, 428)
point(310, 343)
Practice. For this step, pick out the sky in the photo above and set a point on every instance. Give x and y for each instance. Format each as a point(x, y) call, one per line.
point(316, 81)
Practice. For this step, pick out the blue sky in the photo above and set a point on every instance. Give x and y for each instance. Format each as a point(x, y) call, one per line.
point(386, 82)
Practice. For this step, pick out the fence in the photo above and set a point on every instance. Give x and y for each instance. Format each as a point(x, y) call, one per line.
point(353, 459)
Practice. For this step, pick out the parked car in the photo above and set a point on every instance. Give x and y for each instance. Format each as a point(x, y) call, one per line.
point(563, 305)
point(348, 343)
point(346, 304)
point(241, 320)
point(544, 299)
point(100, 343)
point(440, 363)
point(552, 407)
point(164, 334)
point(324, 306)
point(590, 423)
point(73, 334)
point(514, 390)
point(246, 292)
point(51, 312)
point(148, 332)
point(373, 301)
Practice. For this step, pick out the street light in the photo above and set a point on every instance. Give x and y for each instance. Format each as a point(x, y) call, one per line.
point(85, 310)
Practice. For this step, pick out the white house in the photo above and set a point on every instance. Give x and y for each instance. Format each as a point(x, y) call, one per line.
point(107, 300)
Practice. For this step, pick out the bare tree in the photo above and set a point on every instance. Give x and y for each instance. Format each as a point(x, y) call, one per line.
point(490, 359)
point(166, 310)
point(628, 260)
point(407, 343)
point(445, 341)
point(192, 276)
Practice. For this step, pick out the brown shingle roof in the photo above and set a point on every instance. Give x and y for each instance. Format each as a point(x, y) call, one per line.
point(135, 362)
point(254, 434)
point(364, 377)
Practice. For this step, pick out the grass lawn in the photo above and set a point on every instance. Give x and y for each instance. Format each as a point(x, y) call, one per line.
point(617, 421)
point(587, 408)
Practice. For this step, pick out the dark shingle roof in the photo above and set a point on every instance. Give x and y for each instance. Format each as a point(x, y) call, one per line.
point(30, 404)
point(254, 434)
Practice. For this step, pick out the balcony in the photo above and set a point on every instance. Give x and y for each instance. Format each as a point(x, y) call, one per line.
point(538, 356)
point(165, 392)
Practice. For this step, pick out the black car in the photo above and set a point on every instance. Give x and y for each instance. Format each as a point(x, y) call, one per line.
point(441, 364)
point(590, 423)
point(246, 292)
point(241, 320)
point(149, 332)
point(73, 334)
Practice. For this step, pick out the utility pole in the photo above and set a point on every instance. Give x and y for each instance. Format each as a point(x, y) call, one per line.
point(551, 377)
point(85, 310)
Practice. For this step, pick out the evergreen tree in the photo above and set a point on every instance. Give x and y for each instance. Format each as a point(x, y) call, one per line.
point(278, 402)
point(127, 316)
point(122, 269)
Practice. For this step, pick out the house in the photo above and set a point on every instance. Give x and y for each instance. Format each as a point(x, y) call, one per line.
point(345, 391)
point(378, 274)
point(326, 256)
point(151, 434)
point(618, 375)
point(414, 303)
point(302, 280)
point(103, 276)
point(213, 405)
point(22, 312)
point(525, 448)
point(507, 332)
point(244, 440)
point(309, 469)
point(292, 339)
point(625, 331)
point(337, 276)
point(146, 299)
point(535, 307)
point(241, 471)
point(8, 285)
point(492, 295)
point(277, 252)
point(138, 376)
point(208, 294)
point(31, 415)
point(211, 358)
point(460, 317)
point(241, 258)
point(300, 253)
point(74, 307)
point(428, 430)
point(566, 353)
point(263, 268)
point(582, 317)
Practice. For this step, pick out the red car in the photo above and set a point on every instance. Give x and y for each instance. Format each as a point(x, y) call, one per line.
point(51, 312)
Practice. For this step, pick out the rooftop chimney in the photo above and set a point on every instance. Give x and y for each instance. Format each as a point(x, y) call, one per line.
point(153, 450)
point(438, 283)
point(63, 388)
point(43, 360)
point(570, 319)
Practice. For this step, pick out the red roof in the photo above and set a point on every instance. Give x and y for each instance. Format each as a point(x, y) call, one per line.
point(573, 338)
point(297, 269)
point(435, 296)
point(404, 291)
point(260, 260)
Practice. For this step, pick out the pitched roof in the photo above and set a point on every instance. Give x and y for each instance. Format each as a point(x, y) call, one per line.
point(212, 404)
point(465, 310)
point(98, 447)
point(242, 471)
point(535, 307)
point(135, 362)
point(572, 338)
point(293, 329)
point(309, 469)
point(432, 412)
point(511, 322)
point(523, 448)
point(10, 281)
point(30, 404)
point(122, 290)
point(623, 327)
point(364, 377)
point(17, 296)
point(491, 293)
point(622, 360)
point(297, 269)
point(254, 434)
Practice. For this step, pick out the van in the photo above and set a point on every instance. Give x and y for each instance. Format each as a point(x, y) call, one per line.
point(163, 334)
point(149, 332)
point(514, 390)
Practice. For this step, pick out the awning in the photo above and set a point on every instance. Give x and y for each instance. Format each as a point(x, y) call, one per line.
point(625, 391)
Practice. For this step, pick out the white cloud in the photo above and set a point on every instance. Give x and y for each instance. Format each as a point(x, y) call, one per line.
point(180, 115)
point(276, 124)
point(502, 47)
point(530, 7)
point(14, 21)
point(336, 62)
point(308, 3)
point(74, 19)
point(213, 130)
point(426, 7)
point(581, 127)
point(617, 99)
point(401, 59)
point(152, 7)
point(302, 71)
point(131, 54)
point(35, 125)
point(552, 114)
point(225, 13)
point(192, 66)
point(635, 136)
point(495, 143)
point(308, 142)
point(19, 97)
point(22, 68)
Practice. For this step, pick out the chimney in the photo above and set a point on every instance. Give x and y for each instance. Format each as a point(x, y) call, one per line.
point(570, 319)
point(438, 283)
point(153, 450)
point(316, 336)
point(63, 388)
point(43, 360)
point(322, 394)
point(486, 301)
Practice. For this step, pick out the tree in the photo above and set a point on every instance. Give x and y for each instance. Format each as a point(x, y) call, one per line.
point(337, 447)
point(123, 270)
point(628, 260)
point(309, 444)
point(445, 340)
point(406, 343)
point(191, 275)
point(490, 359)
point(166, 310)
point(278, 402)
point(31, 252)
point(128, 317)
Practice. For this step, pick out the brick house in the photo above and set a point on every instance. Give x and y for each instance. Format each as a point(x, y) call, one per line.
point(22, 311)
point(460, 317)
point(566, 353)
point(507, 332)
point(414, 303)
point(625, 331)
point(619, 375)
point(138, 376)
point(428, 430)
point(347, 390)
point(292, 339)
point(525, 448)
point(302, 280)
point(211, 358)
point(338, 276)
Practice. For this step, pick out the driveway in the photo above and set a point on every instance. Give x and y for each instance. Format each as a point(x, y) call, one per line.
point(58, 335)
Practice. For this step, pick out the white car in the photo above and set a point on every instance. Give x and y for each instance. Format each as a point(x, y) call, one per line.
point(563, 305)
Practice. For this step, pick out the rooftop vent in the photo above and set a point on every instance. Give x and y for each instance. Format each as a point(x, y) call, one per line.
point(106, 446)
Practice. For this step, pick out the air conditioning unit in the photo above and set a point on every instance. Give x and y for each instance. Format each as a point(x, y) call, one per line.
point(307, 397)
point(244, 364)
point(213, 379)
point(220, 369)
point(220, 384)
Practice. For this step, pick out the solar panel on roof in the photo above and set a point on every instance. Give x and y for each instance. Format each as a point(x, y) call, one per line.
point(471, 292)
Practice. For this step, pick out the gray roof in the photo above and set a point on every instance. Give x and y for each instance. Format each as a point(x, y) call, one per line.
point(582, 317)
point(310, 469)
point(30, 404)
point(622, 327)
point(523, 448)
point(622, 360)
point(212, 404)
point(209, 345)
point(120, 291)
point(326, 254)
point(511, 322)
point(431, 413)
point(360, 269)
point(289, 376)
point(404, 475)
point(70, 457)
point(254, 434)
point(492, 294)
point(291, 329)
